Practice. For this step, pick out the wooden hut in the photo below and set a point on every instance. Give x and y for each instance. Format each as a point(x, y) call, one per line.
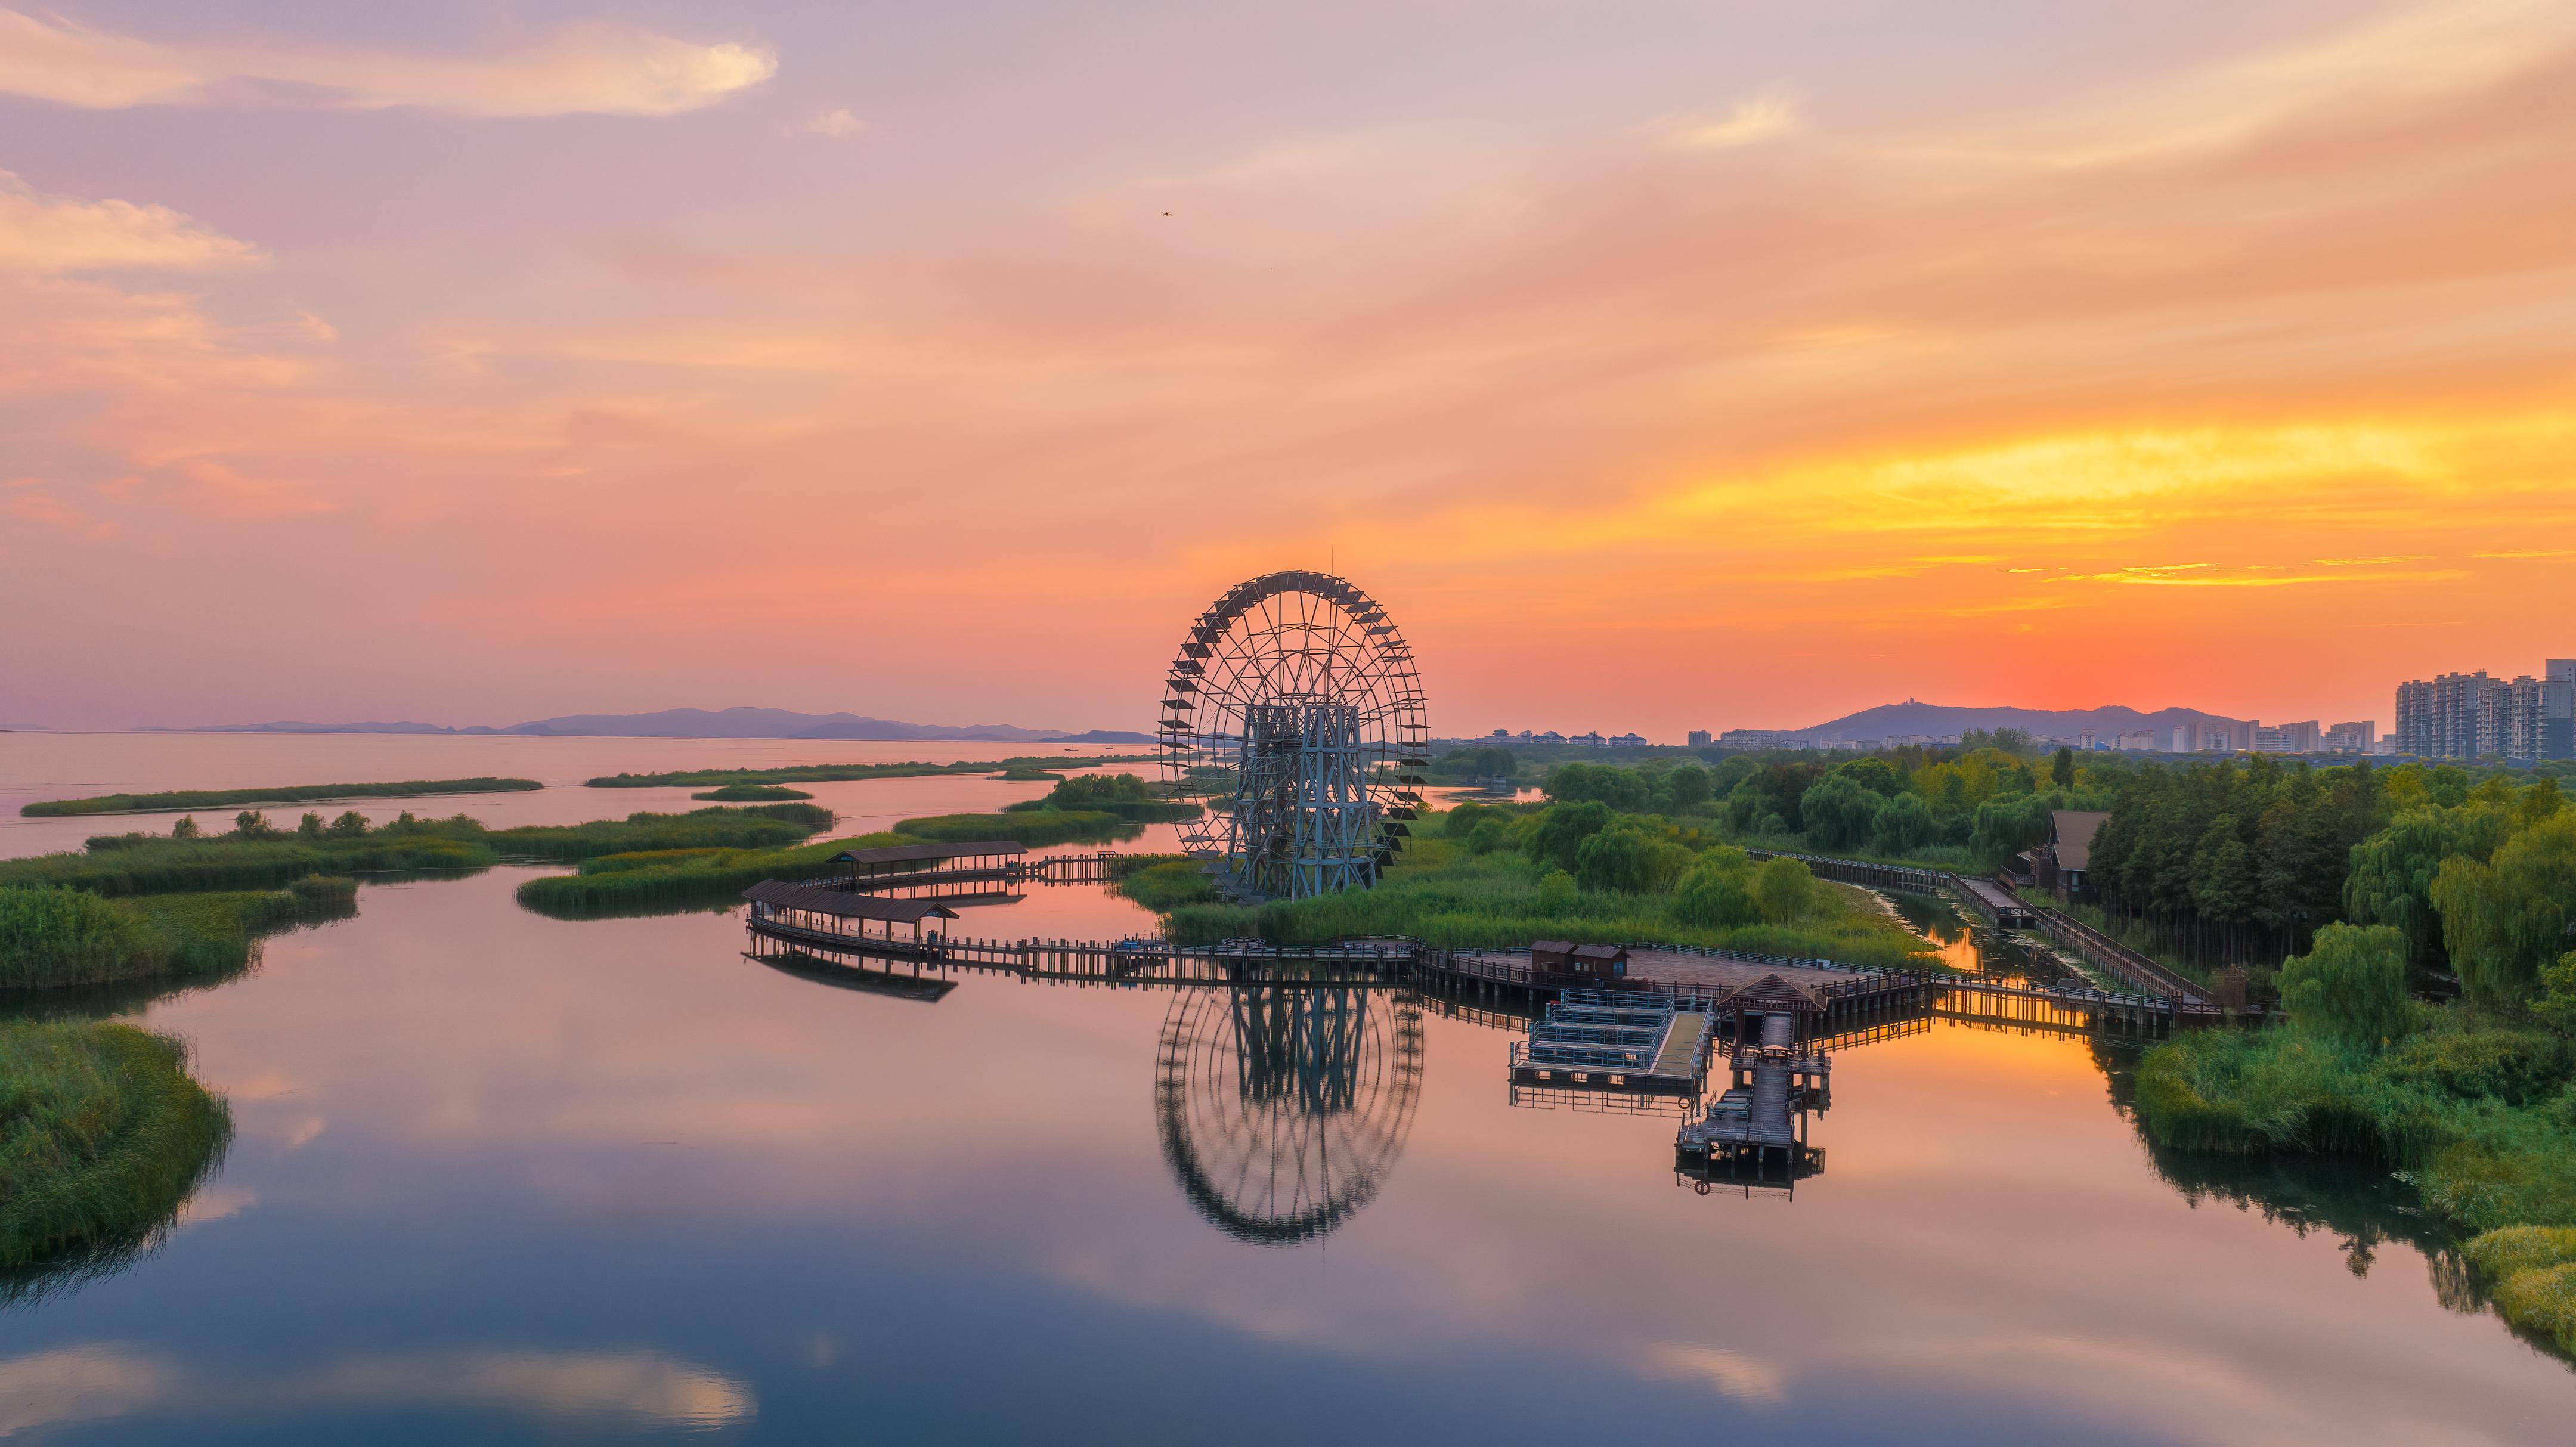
point(1562, 964)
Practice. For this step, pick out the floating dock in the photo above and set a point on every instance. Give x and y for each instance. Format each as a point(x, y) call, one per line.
point(1616, 1040)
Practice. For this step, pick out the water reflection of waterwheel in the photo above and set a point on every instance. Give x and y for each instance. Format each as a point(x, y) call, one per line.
point(1282, 1109)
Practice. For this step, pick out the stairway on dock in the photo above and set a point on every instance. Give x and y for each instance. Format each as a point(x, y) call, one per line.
point(1683, 1040)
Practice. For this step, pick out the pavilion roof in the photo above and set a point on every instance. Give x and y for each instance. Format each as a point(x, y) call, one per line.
point(780, 894)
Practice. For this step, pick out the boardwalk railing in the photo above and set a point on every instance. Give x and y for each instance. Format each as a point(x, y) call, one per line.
point(2121, 960)
point(1901, 877)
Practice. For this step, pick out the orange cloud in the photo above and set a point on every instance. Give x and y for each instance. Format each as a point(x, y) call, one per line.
point(587, 68)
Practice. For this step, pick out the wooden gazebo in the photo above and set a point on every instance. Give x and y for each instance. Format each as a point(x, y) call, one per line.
point(778, 907)
point(907, 864)
point(1772, 994)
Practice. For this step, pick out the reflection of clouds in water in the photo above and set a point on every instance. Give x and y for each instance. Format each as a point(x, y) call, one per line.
point(1159, 1283)
point(1744, 1378)
point(90, 1383)
point(79, 1384)
point(214, 1204)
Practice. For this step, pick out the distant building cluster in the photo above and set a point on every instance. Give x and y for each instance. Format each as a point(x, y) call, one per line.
point(2202, 736)
point(1580, 741)
point(2469, 715)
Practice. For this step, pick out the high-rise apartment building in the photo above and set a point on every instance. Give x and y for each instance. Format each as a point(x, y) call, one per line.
point(2361, 737)
point(1699, 738)
point(2558, 709)
point(2415, 718)
point(2469, 715)
point(2509, 718)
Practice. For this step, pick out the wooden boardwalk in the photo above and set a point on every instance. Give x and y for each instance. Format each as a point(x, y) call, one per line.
point(1501, 984)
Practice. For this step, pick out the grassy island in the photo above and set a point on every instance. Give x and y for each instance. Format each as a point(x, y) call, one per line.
point(173, 801)
point(1124, 795)
point(751, 794)
point(102, 1137)
point(1485, 876)
point(673, 881)
point(839, 773)
point(258, 855)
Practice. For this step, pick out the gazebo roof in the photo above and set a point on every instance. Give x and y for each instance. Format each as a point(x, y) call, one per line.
point(928, 853)
point(780, 894)
point(1773, 992)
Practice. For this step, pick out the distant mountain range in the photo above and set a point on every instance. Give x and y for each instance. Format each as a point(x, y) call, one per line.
point(699, 723)
point(1941, 720)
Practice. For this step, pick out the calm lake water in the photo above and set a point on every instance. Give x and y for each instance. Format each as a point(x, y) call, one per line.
point(504, 1178)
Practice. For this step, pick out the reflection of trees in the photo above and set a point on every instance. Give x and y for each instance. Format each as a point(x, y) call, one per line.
point(1282, 1108)
point(2359, 1201)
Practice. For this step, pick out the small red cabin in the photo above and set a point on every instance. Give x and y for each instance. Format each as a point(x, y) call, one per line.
point(1563, 963)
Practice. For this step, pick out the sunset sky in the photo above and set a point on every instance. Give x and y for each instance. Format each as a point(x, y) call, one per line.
point(1660, 363)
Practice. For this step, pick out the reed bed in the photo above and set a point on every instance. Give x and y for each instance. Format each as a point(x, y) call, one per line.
point(840, 773)
point(1036, 828)
point(171, 801)
point(152, 864)
point(2480, 1115)
point(1166, 886)
point(751, 793)
point(102, 1136)
point(2531, 1272)
point(53, 937)
point(765, 826)
point(678, 881)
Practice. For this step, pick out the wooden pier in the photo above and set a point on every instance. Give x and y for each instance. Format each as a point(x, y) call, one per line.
point(827, 919)
point(1615, 1040)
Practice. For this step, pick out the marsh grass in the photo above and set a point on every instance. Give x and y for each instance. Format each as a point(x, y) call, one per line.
point(681, 880)
point(751, 793)
point(54, 938)
point(153, 864)
point(766, 826)
point(176, 800)
point(2478, 1115)
point(2531, 1271)
point(1035, 828)
point(1165, 886)
point(102, 1137)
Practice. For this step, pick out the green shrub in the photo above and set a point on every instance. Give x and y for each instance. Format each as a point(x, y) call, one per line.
point(2351, 984)
point(1717, 893)
point(1784, 890)
point(2516, 1067)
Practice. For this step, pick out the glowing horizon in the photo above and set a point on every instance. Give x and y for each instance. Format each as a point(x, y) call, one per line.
point(1741, 366)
